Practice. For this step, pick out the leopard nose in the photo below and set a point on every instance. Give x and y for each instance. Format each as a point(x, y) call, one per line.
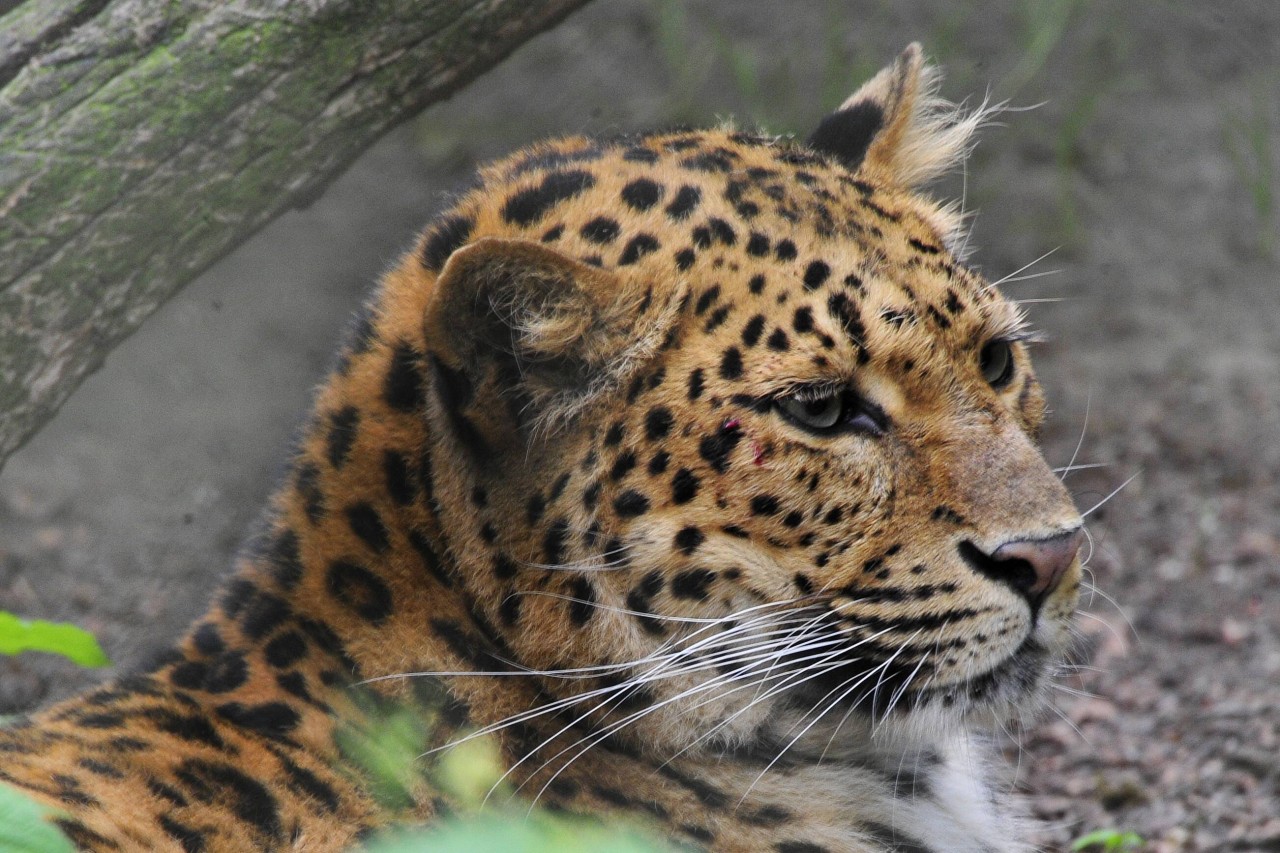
point(1033, 567)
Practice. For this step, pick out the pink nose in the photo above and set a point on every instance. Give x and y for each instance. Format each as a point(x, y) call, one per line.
point(1032, 567)
point(1047, 559)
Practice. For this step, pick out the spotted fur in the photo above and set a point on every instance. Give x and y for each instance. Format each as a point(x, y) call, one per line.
point(577, 452)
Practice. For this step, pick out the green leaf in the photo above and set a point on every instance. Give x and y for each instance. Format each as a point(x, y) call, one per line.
point(36, 635)
point(537, 833)
point(24, 828)
point(1110, 840)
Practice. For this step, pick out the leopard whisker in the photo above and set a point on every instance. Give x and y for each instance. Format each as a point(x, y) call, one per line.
point(567, 702)
point(1084, 427)
point(859, 679)
point(993, 285)
point(597, 737)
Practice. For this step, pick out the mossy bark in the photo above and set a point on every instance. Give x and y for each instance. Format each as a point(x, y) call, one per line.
point(140, 140)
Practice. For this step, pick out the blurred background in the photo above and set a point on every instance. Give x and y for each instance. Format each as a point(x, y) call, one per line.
point(1131, 195)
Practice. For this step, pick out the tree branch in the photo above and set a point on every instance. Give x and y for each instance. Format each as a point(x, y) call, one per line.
point(140, 141)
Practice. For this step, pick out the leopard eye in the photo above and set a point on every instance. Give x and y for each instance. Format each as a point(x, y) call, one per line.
point(817, 414)
point(996, 363)
point(831, 412)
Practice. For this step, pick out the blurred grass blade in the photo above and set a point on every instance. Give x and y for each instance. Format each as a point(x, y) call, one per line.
point(23, 827)
point(36, 635)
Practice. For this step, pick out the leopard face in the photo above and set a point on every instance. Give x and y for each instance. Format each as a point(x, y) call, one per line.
point(743, 446)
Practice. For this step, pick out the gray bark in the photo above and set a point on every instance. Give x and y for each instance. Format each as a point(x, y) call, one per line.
point(141, 140)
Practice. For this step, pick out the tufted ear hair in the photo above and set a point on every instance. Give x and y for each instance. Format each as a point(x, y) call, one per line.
point(521, 334)
point(895, 128)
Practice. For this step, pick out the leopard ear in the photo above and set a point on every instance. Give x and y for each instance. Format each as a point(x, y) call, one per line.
point(895, 128)
point(524, 335)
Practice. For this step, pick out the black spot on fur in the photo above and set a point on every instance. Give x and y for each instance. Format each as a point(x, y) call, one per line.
point(554, 540)
point(207, 640)
point(308, 486)
point(638, 154)
point(509, 610)
point(400, 485)
point(925, 248)
point(622, 465)
point(717, 448)
point(503, 567)
point(721, 231)
point(601, 230)
point(815, 274)
point(342, 434)
point(684, 486)
point(642, 194)
point(630, 503)
point(764, 505)
point(947, 514)
point(614, 436)
point(752, 331)
point(262, 615)
point(799, 847)
point(695, 383)
point(756, 284)
point(847, 134)
point(305, 783)
point(685, 258)
point(709, 796)
point(582, 608)
point(953, 303)
point(403, 390)
point(190, 839)
point(640, 600)
point(274, 720)
point(285, 649)
point(845, 312)
point(802, 322)
point(688, 540)
point(707, 298)
point(684, 203)
point(368, 525)
point(693, 584)
point(731, 363)
point(430, 559)
point(717, 318)
point(637, 247)
point(246, 798)
point(785, 250)
point(445, 238)
point(193, 728)
point(283, 557)
point(360, 590)
point(555, 158)
point(528, 206)
point(778, 341)
point(225, 673)
point(719, 160)
point(657, 423)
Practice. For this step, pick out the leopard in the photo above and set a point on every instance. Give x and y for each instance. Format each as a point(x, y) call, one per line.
point(696, 470)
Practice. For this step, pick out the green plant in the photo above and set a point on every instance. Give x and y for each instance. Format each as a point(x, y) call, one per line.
point(24, 825)
point(394, 755)
point(1108, 841)
point(36, 635)
point(1250, 141)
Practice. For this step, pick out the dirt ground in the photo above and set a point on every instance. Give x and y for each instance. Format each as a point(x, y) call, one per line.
point(1152, 167)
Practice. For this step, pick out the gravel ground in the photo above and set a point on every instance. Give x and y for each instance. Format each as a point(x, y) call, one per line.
point(1146, 167)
